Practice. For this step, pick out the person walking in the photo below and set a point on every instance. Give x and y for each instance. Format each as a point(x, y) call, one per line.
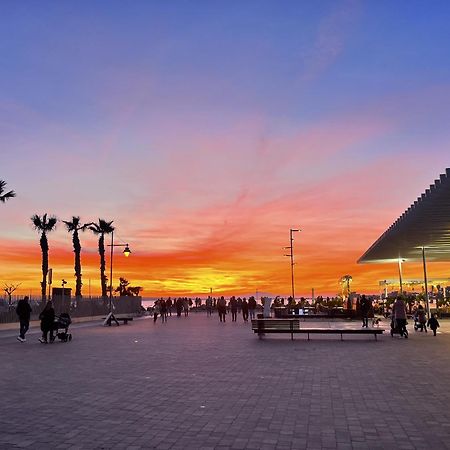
point(234, 308)
point(222, 308)
point(156, 311)
point(209, 306)
point(245, 310)
point(163, 310)
point(399, 315)
point(433, 323)
point(365, 305)
point(252, 307)
point(179, 306)
point(421, 318)
point(186, 307)
point(23, 310)
point(47, 318)
point(169, 306)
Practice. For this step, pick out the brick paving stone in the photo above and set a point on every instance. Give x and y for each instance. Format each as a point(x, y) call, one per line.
point(193, 383)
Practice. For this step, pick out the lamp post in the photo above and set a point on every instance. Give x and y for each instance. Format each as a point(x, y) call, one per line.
point(291, 255)
point(126, 252)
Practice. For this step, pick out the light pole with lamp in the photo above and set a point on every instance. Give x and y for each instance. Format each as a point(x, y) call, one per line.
point(291, 255)
point(110, 317)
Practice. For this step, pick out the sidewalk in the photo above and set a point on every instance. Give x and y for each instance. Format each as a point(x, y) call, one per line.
point(194, 383)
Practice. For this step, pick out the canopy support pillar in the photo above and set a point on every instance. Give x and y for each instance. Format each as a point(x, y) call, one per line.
point(400, 274)
point(425, 279)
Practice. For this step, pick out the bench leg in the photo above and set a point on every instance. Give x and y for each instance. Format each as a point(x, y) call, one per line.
point(308, 336)
point(342, 337)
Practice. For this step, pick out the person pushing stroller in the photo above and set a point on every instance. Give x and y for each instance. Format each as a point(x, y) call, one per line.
point(420, 319)
point(47, 317)
point(399, 317)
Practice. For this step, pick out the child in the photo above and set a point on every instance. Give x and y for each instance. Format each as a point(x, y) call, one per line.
point(433, 323)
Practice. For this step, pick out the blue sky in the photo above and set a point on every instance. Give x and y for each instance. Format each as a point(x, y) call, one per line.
point(167, 111)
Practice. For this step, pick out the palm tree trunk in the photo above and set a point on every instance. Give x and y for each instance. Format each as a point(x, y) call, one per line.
point(44, 247)
point(101, 251)
point(77, 267)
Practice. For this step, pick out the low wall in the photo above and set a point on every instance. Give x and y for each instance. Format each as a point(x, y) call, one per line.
point(85, 307)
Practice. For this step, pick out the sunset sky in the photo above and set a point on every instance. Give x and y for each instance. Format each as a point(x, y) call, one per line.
point(207, 129)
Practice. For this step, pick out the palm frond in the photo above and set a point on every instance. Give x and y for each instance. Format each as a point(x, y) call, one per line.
point(7, 195)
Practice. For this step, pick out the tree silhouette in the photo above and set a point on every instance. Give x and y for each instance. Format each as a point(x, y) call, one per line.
point(73, 226)
point(101, 228)
point(44, 225)
point(7, 195)
point(125, 290)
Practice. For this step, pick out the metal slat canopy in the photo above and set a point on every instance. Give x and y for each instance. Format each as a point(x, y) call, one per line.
point(426, 223)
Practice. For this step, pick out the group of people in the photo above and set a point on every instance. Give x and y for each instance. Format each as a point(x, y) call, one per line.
point(163, 308)
point(47, 318)
point(400, 318)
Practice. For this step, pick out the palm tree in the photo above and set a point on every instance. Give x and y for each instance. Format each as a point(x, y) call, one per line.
point(7, 195)
point(44, 225)
point(101, 228)
point(73, 226)
point(346, 279)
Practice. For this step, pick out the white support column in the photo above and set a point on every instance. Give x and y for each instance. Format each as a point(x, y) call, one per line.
point(400, 274)
point(426, 281)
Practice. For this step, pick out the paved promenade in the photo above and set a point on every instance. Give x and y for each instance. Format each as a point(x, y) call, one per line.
point(194, 383)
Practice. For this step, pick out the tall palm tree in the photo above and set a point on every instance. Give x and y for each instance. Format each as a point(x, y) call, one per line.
point(346, 279)
point(44, 225)
point(101, 228)
point(73, 226)
point(7, 195)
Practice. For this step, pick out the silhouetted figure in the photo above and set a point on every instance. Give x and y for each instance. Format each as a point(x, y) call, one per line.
point(209, 306)
point(233, 308)
point(252, 307)
point(421, 319)
point(245, 310)
point(239, 304)
point(155, 311)
point(365, 307)
point(186, 306)
point(433, 323)
point(169, 306)
point(222, 308)
point(47, 318)
point(179, 305)
point(23, 310)
point(163, 310)
point(399, 315)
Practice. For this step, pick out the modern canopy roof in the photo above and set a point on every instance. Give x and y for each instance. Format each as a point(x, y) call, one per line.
point(426, 223)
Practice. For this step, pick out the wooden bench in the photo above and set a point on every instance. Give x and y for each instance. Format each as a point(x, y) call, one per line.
point(292, 326)
point(117, 319)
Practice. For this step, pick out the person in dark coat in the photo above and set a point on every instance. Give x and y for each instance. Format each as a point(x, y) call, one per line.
point(252, 307)
point(179, 305)
point(234, 308)
point(365, 306)
point(163, 310)
point(222, 308)
point(23, 310)
point(245, 310)
point(47, 317)
point(433, 323)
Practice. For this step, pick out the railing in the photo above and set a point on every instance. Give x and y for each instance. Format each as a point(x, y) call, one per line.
point(85, 307)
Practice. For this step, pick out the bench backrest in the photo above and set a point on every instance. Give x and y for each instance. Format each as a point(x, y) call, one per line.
point(278, 324)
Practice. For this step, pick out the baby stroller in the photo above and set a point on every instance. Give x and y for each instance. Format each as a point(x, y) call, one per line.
point(396, 330)
point(61, 326)
point(418, 325)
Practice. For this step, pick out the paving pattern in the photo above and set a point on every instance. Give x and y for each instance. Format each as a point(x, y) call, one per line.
point(195, 383)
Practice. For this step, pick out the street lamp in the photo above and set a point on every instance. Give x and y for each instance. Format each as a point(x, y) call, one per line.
point(291, 255)
point(126, 253)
